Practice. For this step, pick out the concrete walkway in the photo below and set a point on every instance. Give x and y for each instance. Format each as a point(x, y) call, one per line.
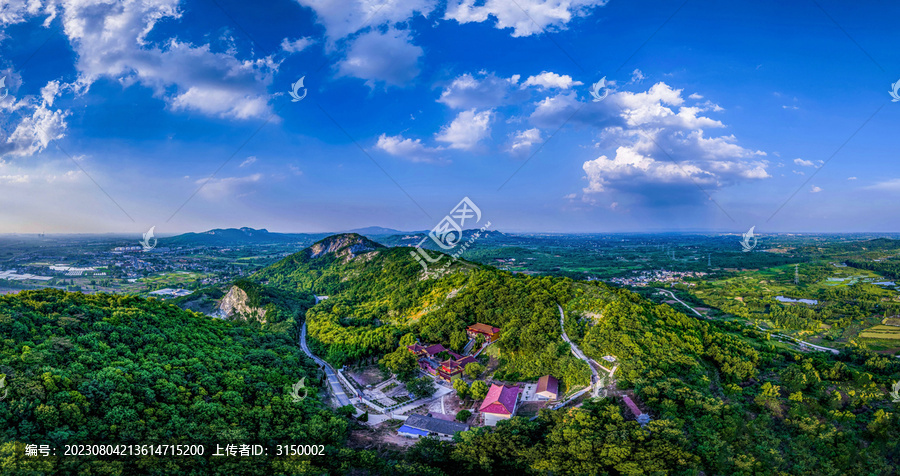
point(336, 389)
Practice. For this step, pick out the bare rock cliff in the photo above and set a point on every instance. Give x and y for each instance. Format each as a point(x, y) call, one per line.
point(235, 303)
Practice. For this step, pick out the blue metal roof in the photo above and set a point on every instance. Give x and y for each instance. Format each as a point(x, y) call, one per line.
point(412, 431)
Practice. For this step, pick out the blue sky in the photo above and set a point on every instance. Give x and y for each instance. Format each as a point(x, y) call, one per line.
point(717, 115)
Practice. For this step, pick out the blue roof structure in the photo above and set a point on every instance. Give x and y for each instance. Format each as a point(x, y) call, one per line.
point(412, 431)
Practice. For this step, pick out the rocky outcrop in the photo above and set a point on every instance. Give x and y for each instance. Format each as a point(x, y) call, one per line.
point(235, 303)
point(349, 246)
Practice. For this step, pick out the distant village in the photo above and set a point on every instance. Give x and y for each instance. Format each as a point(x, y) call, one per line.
point(645, 278)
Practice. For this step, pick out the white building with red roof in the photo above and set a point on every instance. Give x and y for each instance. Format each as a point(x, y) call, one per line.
point(499, 404)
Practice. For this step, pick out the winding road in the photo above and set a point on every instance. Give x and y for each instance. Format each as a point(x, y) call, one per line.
point(333, 381)
point(595, 377)
point(798, 341)
point(682, 302)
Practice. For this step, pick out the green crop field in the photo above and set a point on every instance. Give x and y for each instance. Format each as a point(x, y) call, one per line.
point(881, 332)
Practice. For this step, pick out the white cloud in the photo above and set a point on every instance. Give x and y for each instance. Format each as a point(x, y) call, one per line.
point(547, 80)
point(790, 107)
point(662, 151)
point(110, 41)
point(523, 140)
point(249, 161)
point(387, 57)
point(851, 178)
point(695, 96)
point(525, 17)
point(637, 77)
point(570, 196)
point(49, 92)
point(798, 172)
point(804, 163)
point(890, 185)
point(485, 90)
point(219, 188)
point(343, 18)
point(412, 150)
point(815, 189)
point(34, 132)
point(467, 130)
point(297, 45)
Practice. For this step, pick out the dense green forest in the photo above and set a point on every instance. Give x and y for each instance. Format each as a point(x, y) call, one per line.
point(84, 369)
point(377, 295)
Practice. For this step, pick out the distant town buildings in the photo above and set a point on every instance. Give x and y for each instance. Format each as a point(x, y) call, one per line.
point(12, 275)
point(644, 278)
point(499, 404)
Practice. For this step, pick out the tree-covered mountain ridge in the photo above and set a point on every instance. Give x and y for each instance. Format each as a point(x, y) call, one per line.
point(744, 403)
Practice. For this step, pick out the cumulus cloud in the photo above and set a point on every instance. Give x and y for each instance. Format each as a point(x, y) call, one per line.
point(851, 178)
point(815, 189)
point(804, 163)
point(547, 80)
point(409, 149)
point(525, 17)
point(662, 149)
point(343, 18)
point(522, 141)
point(467, 130)
point(38, 123)
point(388, 57)
point(110, 40)
point(483, 90)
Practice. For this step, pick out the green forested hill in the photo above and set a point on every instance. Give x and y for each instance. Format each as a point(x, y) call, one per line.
point(121, 370)
point(378, 294)
point(724, 398)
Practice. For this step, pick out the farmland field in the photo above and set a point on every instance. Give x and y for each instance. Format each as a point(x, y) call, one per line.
point(881, 332)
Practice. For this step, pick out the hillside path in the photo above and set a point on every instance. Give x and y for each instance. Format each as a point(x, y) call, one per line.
point(333, 381)
point(670, 293)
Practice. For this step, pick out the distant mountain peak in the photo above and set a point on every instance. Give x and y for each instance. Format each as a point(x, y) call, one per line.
point(375, 230)
point(344, 244)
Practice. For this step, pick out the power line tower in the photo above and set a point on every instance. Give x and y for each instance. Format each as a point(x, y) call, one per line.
point(797, 274)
